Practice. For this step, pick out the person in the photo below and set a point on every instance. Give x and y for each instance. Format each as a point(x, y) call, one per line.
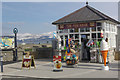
point(88, 52)
point(85, 54)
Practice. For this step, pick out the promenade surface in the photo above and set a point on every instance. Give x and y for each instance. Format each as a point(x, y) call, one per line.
point(44, 70)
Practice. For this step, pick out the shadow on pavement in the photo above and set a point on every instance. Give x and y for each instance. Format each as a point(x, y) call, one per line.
point(10, 62)
point(15, 68)
point(46, 60)
point(114, 69)
point(10, 77)
point(88, 65)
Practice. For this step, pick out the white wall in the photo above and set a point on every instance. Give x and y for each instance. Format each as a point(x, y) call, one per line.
point(118, 39)
point(111, 32)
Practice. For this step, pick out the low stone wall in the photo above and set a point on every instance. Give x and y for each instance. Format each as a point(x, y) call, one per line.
point(117, 55)
point(42, 53)
point(8, 55)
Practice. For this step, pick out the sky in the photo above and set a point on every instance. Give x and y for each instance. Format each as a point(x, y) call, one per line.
point(37, 17)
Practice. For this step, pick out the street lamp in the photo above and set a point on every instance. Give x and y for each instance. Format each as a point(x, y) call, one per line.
point(15, 31)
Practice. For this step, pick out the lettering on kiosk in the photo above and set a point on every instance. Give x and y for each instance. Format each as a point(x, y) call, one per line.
point(83, 25)
point(75, 25)
point(61, 26)
point(92, 24)
point(69, 26)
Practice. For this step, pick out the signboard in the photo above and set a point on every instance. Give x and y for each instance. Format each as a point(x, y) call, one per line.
point(6, 42)
point(78, 25)
point(28, 61)
point(57, 63)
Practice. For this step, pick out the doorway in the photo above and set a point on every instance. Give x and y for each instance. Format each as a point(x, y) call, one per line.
point(84, 50)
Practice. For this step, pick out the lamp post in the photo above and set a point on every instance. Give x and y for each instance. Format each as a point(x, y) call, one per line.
point(15, 31)
point(1, 59)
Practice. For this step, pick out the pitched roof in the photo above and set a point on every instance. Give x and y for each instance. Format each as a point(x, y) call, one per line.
point(84, 14)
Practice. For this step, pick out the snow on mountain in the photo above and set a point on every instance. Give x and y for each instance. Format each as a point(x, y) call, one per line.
point(26, 36)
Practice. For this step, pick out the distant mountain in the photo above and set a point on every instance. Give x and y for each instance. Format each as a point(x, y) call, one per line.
point(32, 38)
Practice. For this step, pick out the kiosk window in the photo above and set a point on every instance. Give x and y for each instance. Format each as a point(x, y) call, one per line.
point(71, 35)
point(93, 35)
point(93, 28)
point(65, 30)
point(82, 29)
point(99, 28)
point(66, 37)
point(87, 29)
point(76, 30)
point(99, 35)
point(62, 43)
point(71, 30)
point(99, 24)
point(76, 36)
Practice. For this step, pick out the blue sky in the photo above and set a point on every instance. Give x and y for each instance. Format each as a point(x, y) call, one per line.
point(36, 17)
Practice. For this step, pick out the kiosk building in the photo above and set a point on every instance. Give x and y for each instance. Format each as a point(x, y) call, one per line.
point(87, 22)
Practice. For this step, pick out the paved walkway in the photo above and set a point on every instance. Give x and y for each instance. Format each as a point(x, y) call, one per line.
point(44, 70)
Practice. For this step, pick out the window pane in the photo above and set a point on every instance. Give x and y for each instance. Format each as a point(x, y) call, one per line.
point(87, 29)
point(62, 43)
point(99, 28)
point(65, 30)
point(99, 24)
point(71, 35)
point(81, 29)
point(76, 30)
point(93, 35)
point(99, 35)
point(93, 28)
point(71, 30)
point(107, 35)
point(66, 37)
point(76, 36)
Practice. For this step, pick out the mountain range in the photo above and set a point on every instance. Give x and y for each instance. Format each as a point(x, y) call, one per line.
point(35, 38)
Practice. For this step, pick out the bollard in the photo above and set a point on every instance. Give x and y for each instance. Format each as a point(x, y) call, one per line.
point(1, 59)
